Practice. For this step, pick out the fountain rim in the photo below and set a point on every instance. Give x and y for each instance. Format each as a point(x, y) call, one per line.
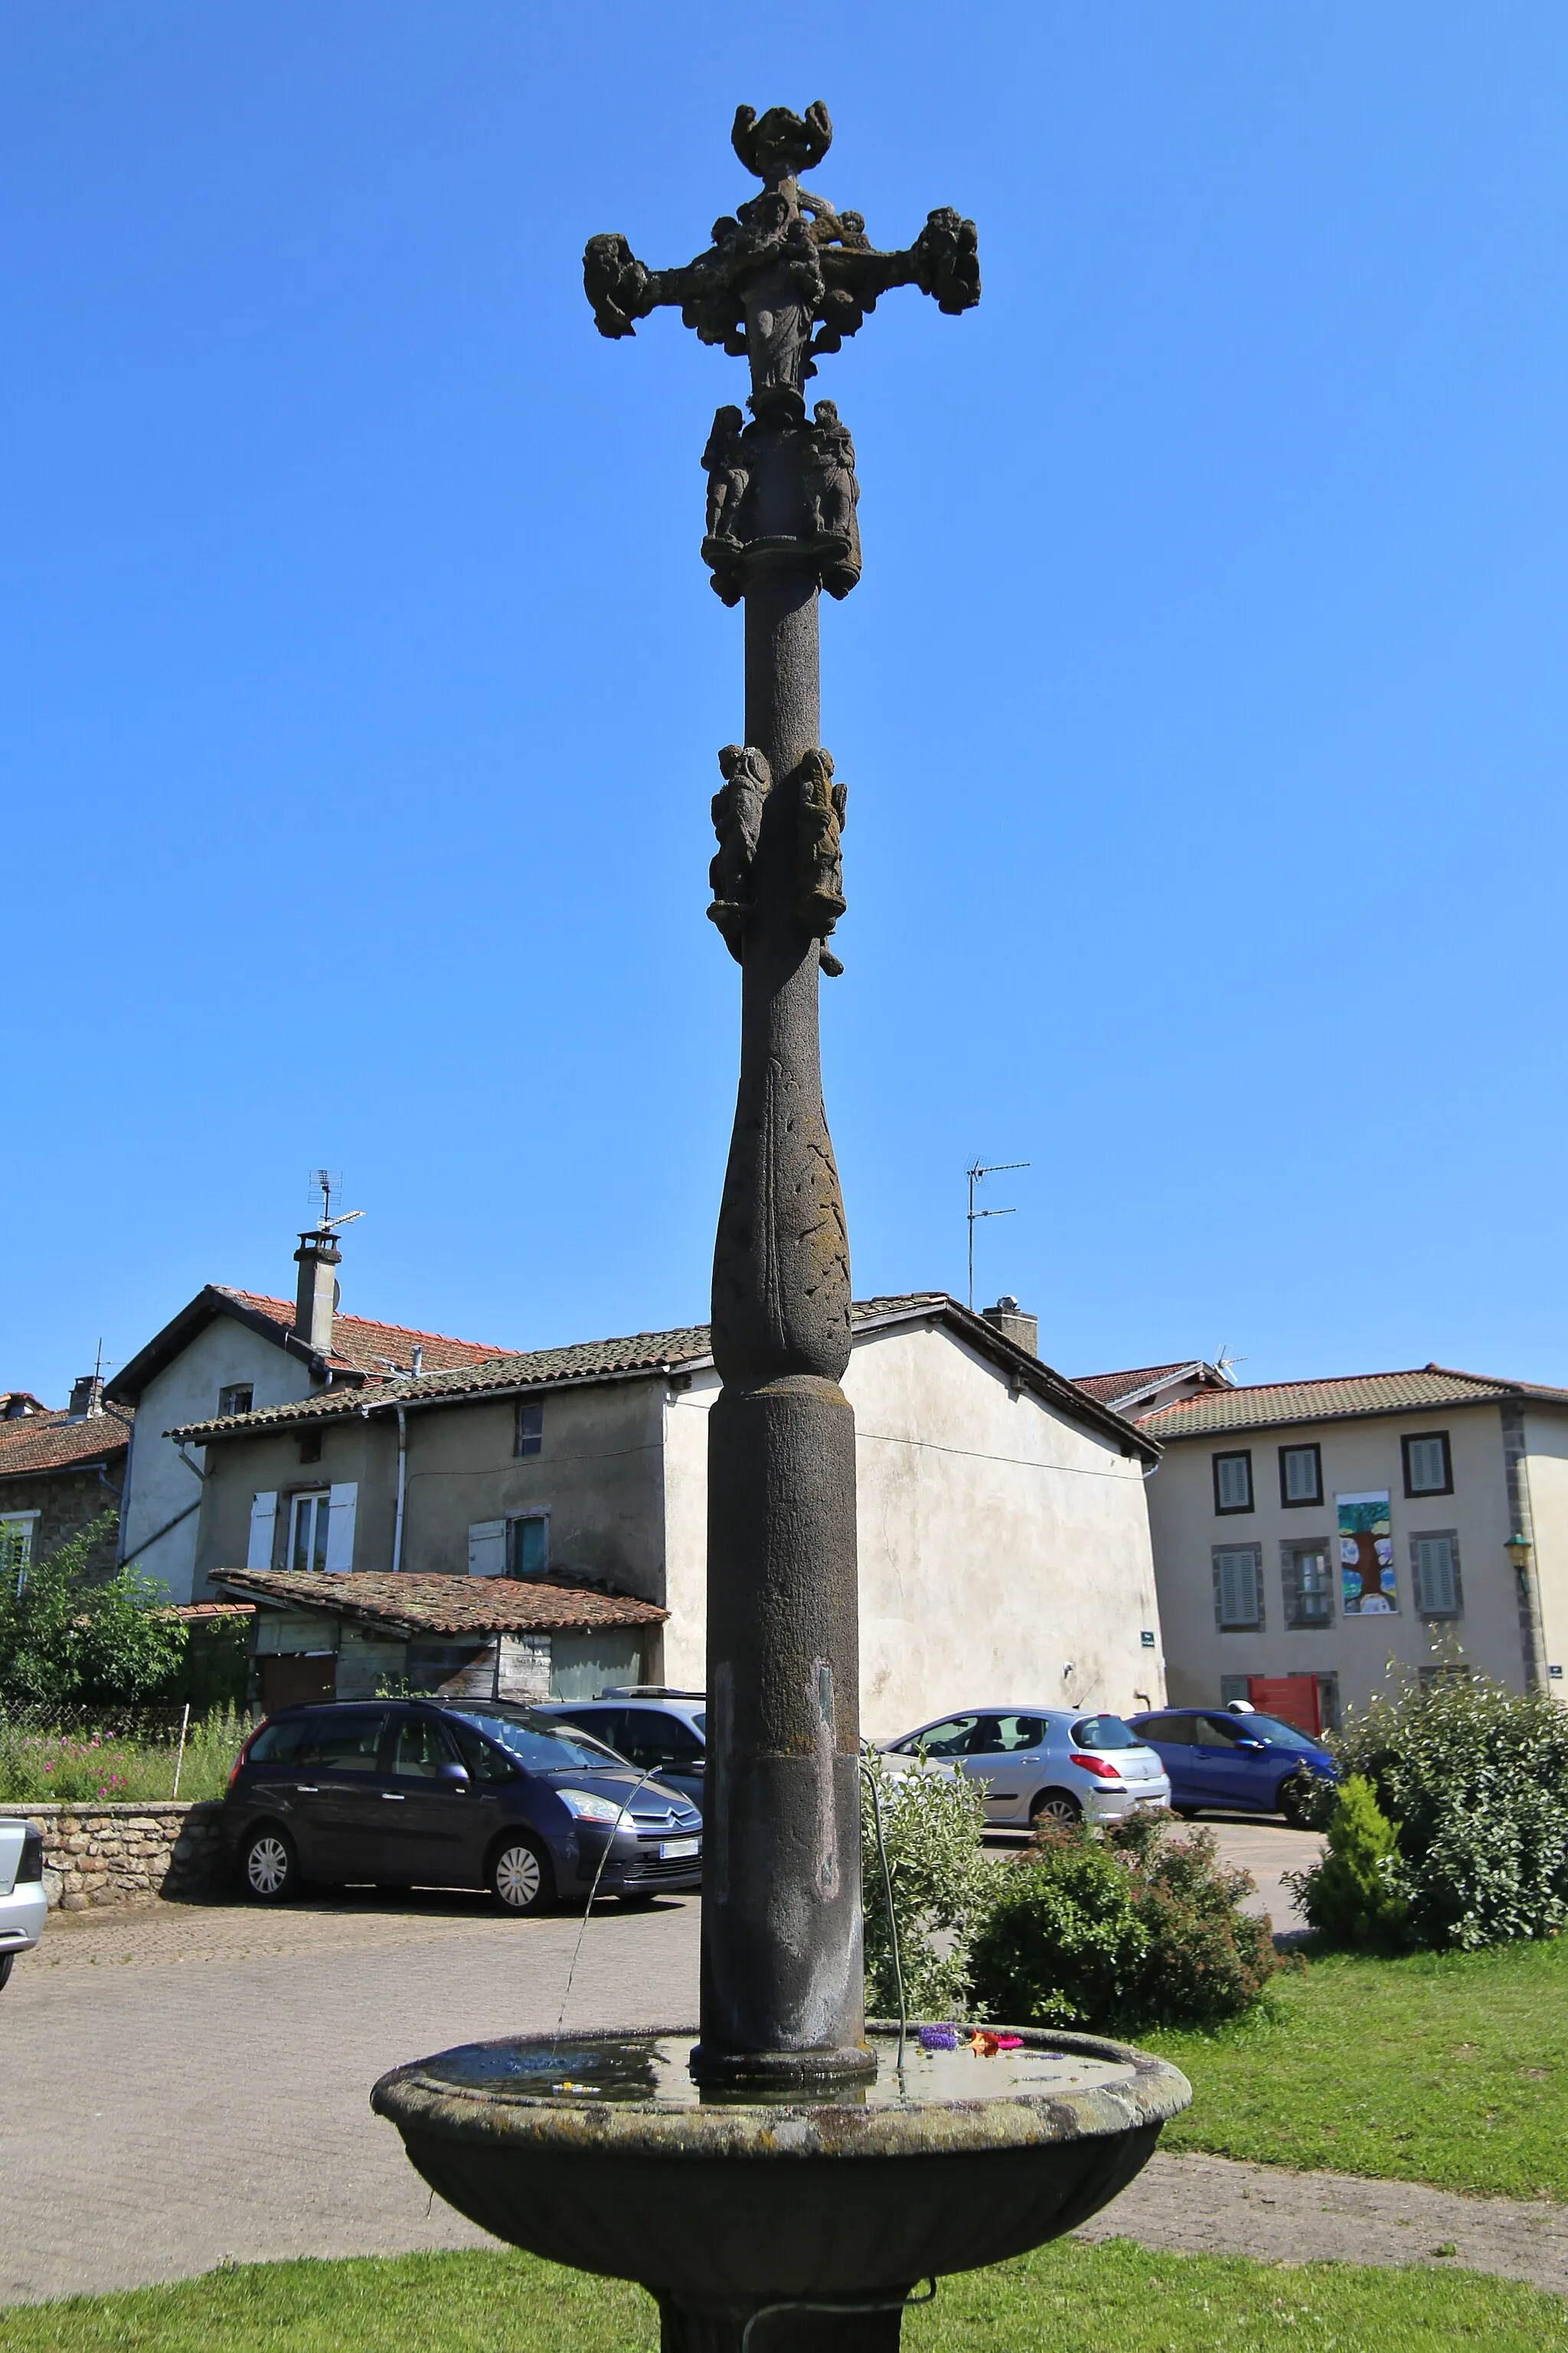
point(806, 2125)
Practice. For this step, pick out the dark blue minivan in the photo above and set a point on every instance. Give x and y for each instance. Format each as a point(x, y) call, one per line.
point(1246, 1764)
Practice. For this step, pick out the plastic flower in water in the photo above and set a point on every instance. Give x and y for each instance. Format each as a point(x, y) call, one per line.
point(939, 2038)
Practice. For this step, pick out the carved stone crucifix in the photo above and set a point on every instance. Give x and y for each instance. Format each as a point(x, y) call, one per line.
point(785, 279)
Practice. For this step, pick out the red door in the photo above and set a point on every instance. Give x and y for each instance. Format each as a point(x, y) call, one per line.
point(1292, 1698)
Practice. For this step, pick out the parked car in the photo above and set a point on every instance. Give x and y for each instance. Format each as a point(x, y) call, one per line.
point(1252, 1763)
point(451, 1793)
point(23, 1906)
point(1044, 1765)
point(653, 1728)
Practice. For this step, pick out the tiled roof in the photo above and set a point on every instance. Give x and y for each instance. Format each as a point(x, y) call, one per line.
point(442, 1604)
point(645, 1353)
point(52, 1442)
point(1108, 1387)
point(1216, 1412)
point(361, 1346)
point(201, 1613)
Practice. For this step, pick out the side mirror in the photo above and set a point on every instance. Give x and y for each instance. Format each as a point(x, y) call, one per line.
point(1259, 1746)
point(454, 1776)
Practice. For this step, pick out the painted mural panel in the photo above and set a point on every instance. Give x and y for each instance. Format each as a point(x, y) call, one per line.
point(1366, 1554)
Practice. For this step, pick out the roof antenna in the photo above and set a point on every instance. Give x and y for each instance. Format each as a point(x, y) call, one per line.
point(977, 1176)
point(1225, 1362)
point(326, 1182)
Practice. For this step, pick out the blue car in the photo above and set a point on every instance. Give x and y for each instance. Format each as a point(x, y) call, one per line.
point(1246, 1763)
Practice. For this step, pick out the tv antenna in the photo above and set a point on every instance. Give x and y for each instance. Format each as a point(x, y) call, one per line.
point(1225, 1362)
point(326, 1182)
point(977, 1176)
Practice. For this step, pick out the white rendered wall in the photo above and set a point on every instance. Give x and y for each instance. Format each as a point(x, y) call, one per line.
point(1546, 1438)
point(997, 1542)
point(158, 1485)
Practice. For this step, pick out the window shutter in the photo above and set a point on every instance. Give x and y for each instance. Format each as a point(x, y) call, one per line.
point(263, 1521)
point(1436, 1586)
point(340, 1504)
point(487, 1548)
point(1238, 1588)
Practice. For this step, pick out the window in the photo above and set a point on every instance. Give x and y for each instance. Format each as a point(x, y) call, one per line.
point(345, 1742)
point(421, 1749)
point(1006, 1733)
point(1237, 1587)
point(1307, 1582)
point(529, 1543)
point(1427, 1468)
point(1223, 1731)
point(1232, 1482)
point(1300, 1475)
point(1170, 1731)
point(950, 1739)
point(1435, 1567)
point(275, 1743)
point(1328, 1701)
point(236, 1399)
point(308, 1517)
point(530, 1429)
point(15, 1549)
point(651, 1740)
point(1099, 1733)
point(310, 1447)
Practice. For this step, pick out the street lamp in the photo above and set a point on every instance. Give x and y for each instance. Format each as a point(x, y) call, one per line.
point(1518, 1549)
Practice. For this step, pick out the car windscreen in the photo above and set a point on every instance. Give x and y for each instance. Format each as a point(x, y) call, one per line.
point(1097, 1732)
point(1277, 1735)
point(700, 1721)
point(543, 1748)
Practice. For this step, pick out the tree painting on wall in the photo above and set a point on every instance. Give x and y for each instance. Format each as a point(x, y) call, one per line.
point(1366, 1556)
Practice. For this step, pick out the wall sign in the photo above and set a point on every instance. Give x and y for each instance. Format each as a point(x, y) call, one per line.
point(1366, 1556)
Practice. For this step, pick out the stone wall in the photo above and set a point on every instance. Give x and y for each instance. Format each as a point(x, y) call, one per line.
point(98, 1854)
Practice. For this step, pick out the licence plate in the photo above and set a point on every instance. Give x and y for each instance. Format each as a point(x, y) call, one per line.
point(674, 1848)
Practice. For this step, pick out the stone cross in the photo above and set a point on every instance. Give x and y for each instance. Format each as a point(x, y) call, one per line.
point(783, 280)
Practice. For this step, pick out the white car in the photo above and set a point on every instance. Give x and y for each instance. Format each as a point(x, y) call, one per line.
point(1045, 1764)
point(23, 1906)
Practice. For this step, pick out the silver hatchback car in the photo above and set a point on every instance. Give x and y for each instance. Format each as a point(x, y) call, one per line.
point(1045, 1764)
point(22, 1908)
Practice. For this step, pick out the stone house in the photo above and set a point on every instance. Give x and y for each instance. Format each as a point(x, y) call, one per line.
point(1308, 1533)
point(1004, 1537)
point(58, 1473)
point(231, 1352)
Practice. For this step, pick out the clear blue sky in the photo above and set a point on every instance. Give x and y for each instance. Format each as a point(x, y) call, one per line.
point(1202, 707)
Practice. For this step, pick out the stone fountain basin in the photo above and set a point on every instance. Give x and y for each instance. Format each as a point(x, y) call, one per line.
point(598, 2152)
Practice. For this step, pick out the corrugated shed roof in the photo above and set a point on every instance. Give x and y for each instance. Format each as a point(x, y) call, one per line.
point(421, 1604)
point(1216, 1412)
point(52, 1442)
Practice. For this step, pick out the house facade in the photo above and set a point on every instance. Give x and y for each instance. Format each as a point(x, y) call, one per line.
point(1004, 1549)
point(60, 1473)
point(1319, 1530)
point(229, 1353)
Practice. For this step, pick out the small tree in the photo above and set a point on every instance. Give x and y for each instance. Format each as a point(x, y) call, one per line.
point(1353, 1896)
point(65, 1643)
point(942, 1878)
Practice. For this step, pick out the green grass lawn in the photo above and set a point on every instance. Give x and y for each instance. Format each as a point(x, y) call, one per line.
point(1111, 2299)
point(1451, 2068)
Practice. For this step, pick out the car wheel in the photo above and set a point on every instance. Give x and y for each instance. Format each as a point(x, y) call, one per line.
point(520, 1879)
point(270, 1867)
point(7, 1963)
point(1056, 1809)
point(1186, 1813)
point(1292, 1802)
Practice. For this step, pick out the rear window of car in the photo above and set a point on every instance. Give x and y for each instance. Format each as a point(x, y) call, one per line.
point(543, 1747)
point(1097, 1732)
point(276, 1743)
point(345, 1743)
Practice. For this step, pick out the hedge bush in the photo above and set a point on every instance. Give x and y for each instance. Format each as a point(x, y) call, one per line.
point(1120, 1931)
point(1355, 1896)
point(1474, 1778)
point(941, 1879)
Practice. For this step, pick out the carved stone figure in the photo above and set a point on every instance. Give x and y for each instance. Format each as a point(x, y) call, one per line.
point(819, 865)
point(724, 463)
point(737, 821)
point(831, 487)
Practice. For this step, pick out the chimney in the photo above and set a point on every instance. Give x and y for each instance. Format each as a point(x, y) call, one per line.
point(87, 1398)
point(1023, 1330)
point(317, 1297)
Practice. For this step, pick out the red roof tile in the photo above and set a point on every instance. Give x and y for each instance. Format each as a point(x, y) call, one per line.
point(52, 1442)
point(421, 1604)
point(360, 1345)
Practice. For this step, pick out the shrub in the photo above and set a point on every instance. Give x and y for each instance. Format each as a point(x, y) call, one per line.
point(1355, 1894)
point(75, 1763)
point(64, 1641)
point(941, 1877)
point(1119, 1933)
point(1475, 1779)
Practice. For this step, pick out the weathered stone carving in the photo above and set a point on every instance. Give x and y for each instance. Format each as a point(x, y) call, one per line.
point(819, 858)
point(738, 822)
point(786, 276)
point(781, 491)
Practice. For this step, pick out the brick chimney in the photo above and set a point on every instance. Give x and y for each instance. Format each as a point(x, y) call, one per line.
point(317, 1298)
point(87, 1398)
point(1023, 1330)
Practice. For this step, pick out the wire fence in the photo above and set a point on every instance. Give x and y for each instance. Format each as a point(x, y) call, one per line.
point(116, 1755)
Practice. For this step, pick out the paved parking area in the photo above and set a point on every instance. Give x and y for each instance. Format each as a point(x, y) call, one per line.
point(186, 2082)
